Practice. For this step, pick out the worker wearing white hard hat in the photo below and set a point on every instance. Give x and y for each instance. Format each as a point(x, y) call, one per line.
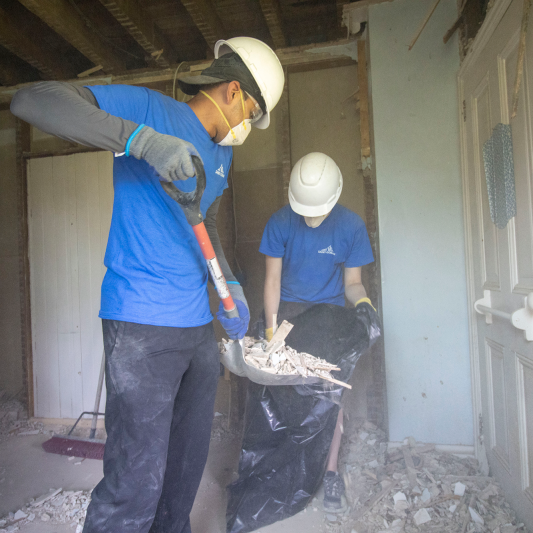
point(314, 252)
point(162, 360)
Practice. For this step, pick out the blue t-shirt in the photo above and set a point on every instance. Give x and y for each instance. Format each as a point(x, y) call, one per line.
point(314, 258)
point(156, 273)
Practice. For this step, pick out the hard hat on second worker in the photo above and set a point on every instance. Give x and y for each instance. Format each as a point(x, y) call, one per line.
point(315, 185)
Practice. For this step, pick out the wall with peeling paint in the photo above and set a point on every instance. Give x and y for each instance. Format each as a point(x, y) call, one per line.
point(416, 133)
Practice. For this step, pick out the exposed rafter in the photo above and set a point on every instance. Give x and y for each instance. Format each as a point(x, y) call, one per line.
point(142, 28)
point(61, 16)
point(272, 12)
point(329, 53)
point(8, 75)
point(205, 17)
point(19, 43)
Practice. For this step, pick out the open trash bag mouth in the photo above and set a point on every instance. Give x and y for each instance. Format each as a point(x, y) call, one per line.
point(339, 340)
point(288, 430)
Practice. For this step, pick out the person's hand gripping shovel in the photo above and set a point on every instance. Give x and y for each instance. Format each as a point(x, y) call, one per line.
point(233, 313)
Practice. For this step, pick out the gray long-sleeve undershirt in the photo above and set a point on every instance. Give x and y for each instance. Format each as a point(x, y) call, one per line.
point(72, 113)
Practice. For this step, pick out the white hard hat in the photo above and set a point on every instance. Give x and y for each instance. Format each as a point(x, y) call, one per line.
point(315, 185)
point(265, 67)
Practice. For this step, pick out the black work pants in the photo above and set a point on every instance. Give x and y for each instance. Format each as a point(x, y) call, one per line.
point(161, 384)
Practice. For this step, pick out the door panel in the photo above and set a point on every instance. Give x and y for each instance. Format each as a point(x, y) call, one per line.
point(69, 203)
point(499, 438)
point(490, 267)
point(501, 260)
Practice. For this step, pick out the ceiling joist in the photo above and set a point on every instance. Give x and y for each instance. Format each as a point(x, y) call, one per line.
point(18, 43)
point(205, 17)
point(272, 13)
point(8, 74)
point(142, 28)
point(61, 16)
point(308, 56)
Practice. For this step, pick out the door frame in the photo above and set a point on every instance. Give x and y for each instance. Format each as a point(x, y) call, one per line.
point(486, 31)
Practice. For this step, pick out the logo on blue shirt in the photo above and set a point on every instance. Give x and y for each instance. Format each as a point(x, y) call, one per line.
point(328, 250)
point(220, 171)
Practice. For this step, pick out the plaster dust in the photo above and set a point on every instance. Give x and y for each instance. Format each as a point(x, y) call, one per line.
point(404, 490)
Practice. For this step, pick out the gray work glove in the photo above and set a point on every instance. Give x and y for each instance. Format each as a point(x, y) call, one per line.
point(168, 155)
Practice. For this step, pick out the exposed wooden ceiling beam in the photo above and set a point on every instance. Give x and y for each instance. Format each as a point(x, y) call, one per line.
point(322, 54)
point(18, 43)
point(61, 16)
point(272, 12)
point(8, 75)
point(142, 28)
point(204, 15)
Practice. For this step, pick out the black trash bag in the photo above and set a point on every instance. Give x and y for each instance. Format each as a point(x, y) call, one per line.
point(288, 429)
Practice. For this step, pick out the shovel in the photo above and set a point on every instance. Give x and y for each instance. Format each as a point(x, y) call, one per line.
point(233, 359)
point(190, 203)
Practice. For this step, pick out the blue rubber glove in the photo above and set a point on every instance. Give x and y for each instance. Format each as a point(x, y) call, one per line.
point(236, 327)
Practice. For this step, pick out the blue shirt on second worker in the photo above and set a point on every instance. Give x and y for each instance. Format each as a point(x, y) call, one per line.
point(314, 258)
point(156, 273)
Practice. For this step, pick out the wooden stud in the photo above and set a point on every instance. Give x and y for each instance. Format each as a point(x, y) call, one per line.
point(363, 98)
point(423, 25)
point(90, 71)
point(23, 141)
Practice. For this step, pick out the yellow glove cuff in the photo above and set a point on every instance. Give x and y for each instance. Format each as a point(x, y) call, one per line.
point(366, 300)
point(269, 333)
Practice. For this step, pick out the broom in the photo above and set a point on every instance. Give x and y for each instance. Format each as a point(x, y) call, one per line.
point(91, 448)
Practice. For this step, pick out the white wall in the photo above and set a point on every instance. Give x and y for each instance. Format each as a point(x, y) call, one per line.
point(420, 222)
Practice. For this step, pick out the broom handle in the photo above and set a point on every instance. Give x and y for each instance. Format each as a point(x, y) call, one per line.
point(98, 396)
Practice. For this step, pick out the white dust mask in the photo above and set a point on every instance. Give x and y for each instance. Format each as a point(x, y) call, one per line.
point(238, 134)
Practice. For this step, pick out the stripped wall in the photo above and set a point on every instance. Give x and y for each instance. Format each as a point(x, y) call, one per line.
point(322, 118)
point(11, 379)
point(416, 130)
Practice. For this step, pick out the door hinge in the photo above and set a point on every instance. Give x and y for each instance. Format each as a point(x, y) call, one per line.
point(464, 110)
point(480, 430)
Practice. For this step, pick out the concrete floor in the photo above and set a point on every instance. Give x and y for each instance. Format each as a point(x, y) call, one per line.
point(28, 472)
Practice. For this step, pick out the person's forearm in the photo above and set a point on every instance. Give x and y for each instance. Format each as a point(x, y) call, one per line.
point(71, 113)
point(354, 292)
point(211, 228)
point(272, 298)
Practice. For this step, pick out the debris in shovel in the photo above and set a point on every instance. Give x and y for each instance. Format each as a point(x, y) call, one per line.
point(278, 358)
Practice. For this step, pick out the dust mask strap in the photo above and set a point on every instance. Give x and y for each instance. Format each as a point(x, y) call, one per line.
point(224, 116)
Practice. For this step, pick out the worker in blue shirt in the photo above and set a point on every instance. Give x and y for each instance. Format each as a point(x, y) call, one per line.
point(162, 360)
point(314, 251)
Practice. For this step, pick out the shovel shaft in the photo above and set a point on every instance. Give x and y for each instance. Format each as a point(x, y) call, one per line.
point(214, 268)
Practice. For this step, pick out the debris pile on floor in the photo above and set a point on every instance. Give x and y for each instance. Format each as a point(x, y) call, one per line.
point(58, 506)
point(415, 488)
point(282, 359)
point(14, 419)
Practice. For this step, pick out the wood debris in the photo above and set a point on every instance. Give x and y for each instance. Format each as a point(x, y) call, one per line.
point(278, 358)
point(413, 489)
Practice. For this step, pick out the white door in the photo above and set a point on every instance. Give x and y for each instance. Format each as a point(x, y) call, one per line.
point(500, 261)
point(70, 201)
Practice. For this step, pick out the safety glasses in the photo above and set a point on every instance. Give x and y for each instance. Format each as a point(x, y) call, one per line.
point(256, 113)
